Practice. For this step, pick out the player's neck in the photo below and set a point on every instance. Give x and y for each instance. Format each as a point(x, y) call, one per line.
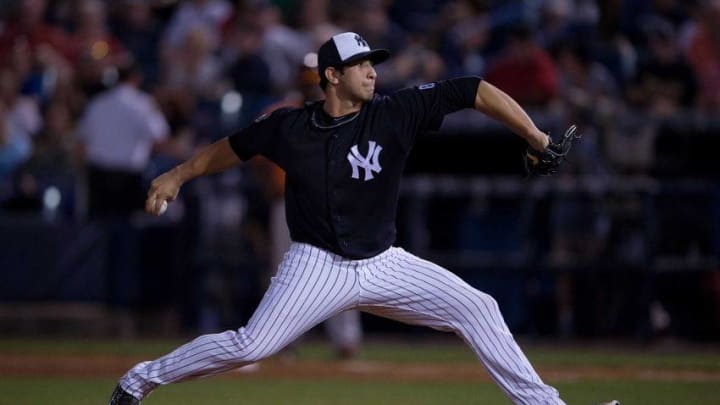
point(335, 106)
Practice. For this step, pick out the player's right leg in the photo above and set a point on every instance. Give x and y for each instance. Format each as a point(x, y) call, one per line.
point(406, 288)
point(308, 288)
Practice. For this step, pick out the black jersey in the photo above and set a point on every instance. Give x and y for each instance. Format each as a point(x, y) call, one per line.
point(343, 178)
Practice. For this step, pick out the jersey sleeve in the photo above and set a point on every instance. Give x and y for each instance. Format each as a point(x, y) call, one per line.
point(259, 138)
point(422, 108)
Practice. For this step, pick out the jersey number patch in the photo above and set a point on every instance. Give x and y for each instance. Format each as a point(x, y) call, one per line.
point(369, 163)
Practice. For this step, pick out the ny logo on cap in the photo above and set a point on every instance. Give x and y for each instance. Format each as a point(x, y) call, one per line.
point(370, 163)
point(361, 42)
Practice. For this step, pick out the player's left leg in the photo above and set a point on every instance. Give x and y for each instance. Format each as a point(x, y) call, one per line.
point(310, 286)
point(406, 288)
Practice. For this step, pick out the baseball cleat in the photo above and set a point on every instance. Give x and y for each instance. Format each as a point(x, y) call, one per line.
point(613, 402)
point(121, 397)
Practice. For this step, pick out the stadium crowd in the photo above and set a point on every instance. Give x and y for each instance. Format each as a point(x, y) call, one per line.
point(97, 97)
point(209, 66)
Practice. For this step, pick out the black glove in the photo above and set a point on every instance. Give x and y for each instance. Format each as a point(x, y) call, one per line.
point(547, 162)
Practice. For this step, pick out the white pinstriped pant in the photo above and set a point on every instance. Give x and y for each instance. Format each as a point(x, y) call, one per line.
point(312, 284)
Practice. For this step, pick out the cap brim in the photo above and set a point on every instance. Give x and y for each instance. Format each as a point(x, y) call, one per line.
point(375, 56)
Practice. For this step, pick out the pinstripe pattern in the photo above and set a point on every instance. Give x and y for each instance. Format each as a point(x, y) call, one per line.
point(312, 285)
point(412, 290)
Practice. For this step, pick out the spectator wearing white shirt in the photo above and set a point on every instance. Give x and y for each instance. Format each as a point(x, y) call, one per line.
point(192, 15)
point(22, 111)
point(15, 147)
point(283, 48)
point(119, 131)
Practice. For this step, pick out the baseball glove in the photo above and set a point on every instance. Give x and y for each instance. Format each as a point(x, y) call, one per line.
point(547, 162)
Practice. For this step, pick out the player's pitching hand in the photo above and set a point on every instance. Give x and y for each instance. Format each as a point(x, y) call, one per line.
point(164, 188)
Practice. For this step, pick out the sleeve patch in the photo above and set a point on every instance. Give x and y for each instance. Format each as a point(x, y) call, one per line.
point(426, 86)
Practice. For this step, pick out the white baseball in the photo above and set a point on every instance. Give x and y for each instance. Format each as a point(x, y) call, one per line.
point(163, 208)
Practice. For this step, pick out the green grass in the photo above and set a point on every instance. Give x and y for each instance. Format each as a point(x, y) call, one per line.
point(705, 360)
point(82, 346)
point(444, 352)
point(640, 392)
point(694, 360)
point(249, 389)
point(226, 391)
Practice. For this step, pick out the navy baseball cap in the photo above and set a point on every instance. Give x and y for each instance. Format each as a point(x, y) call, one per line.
point(348, 47)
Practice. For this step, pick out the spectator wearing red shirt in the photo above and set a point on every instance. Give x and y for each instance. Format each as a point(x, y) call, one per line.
point(524, 70)
point(703, 53)
point(28, 26)
point(99, 52)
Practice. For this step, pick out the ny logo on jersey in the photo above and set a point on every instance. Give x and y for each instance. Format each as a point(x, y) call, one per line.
point(370, 163)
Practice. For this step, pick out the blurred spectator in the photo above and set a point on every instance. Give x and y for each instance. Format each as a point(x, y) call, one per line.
point(194, 68)
point(207, 16)
point(416, 16)
point(249, 73)
point(22, 111)
point(465, 38)
point(415, 64)
point(703, 53)
point(584, 83)
point(370, 19)
point(25, 197)
point(316, 22)
point(119, 130)
point(55, 147)
point(136, 27)
point(562, 19)
point(556, 19)
point(283, 48)
point(674, 11)
point(412, 62)
point(189, 61)
point(191, 86)
point(99, 53)
point(588, 97)
point(27, 24)
point(609, 45)
point(52, 166)
point(664, 82)
point(21, 60)
point(663, 86)
point(40, 70)
point(524, 70)
point(15, 146)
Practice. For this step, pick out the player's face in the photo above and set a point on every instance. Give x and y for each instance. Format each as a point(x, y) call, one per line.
point(358, 80)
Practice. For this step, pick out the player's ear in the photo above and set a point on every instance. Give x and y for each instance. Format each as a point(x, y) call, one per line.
point(331, 74)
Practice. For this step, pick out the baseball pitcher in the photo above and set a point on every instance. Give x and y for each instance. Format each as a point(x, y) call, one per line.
point(344, 158)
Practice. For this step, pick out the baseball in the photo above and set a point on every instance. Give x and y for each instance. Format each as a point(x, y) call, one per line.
point(163, 208)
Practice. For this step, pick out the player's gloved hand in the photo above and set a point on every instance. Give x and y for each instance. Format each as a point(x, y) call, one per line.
point(548, 161)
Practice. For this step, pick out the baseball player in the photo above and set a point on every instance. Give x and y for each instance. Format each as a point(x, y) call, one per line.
point(344, 158)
